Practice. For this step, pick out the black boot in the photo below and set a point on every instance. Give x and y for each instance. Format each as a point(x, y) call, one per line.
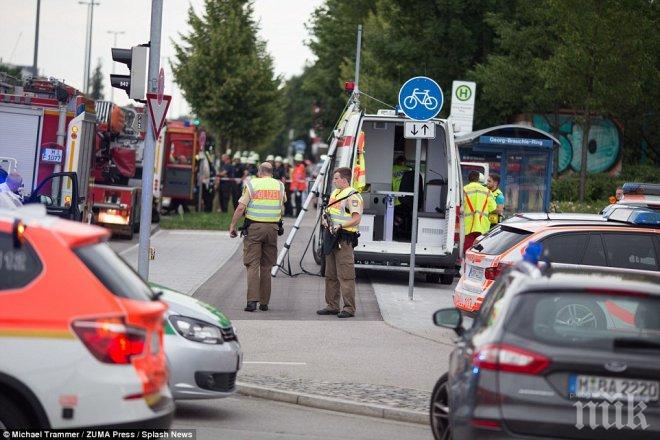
point(251, 306)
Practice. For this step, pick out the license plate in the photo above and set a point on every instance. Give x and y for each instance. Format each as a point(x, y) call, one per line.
point(476, 273)
point(611, 388)
point(51, 155)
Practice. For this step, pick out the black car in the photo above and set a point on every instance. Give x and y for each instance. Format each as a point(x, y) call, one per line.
point(537, 363)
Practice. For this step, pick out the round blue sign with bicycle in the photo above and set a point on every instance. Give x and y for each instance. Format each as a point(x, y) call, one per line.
point(421, 98)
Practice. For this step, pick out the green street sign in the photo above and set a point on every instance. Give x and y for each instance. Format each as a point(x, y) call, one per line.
point(463, 93)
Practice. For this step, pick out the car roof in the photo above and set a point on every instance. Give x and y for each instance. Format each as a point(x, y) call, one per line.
point(72, 233)
point(537, 225)
point(526, 216)
point(582, 278)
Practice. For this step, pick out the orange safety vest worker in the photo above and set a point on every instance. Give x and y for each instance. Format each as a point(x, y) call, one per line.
point(479, 202)
point(299, 178)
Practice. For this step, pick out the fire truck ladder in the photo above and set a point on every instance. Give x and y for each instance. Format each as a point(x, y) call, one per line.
point(351, 107)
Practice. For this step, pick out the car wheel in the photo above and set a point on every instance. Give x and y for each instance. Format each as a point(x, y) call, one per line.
point(432, 277)
point(317, 247)
point(446, 279)
point(580, 314)
point(12, 416)
point(440, 424)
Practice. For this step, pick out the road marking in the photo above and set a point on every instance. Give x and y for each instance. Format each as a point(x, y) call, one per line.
point(276, 363)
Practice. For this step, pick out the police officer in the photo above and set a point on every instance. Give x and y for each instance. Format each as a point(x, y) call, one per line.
point(341, 221)
point(262, 202)
point(478, 202)
point(493, 184)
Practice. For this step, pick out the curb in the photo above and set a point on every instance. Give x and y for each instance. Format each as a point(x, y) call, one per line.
point(333, 404)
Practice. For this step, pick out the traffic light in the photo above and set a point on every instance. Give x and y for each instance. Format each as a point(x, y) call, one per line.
point(136, 59)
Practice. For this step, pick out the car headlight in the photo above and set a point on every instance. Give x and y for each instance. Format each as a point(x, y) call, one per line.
point(195, 330)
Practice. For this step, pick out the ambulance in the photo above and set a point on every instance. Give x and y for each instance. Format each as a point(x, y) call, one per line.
point(386, 226)
point(81, 335)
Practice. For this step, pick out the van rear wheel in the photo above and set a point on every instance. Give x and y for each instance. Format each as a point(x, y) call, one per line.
point(12, 415)
point(432, 277)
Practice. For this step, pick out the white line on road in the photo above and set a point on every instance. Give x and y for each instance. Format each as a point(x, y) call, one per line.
point(276, 363)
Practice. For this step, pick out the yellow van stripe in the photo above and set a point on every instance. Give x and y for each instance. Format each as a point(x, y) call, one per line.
point(35, 333)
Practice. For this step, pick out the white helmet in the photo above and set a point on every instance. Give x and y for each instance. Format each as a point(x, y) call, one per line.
point(244, 160)
point(286, 161)
point(251, 160)
point(298, 157)
point(482, 179)
point(324, 157)
point(278, 158)
point(237, 155)
point(245, 153)
point(270, 157)
point(255, 156)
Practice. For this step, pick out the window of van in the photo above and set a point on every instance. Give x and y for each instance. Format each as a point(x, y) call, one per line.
point(117, 276)
point(18, 267)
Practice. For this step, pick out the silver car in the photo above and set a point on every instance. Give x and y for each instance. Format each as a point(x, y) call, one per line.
point(201, 346)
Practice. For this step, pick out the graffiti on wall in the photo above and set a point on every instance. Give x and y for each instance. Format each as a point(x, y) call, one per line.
point(604, 144)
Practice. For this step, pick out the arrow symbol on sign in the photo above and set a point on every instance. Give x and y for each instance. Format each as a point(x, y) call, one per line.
point(424, 128)
point(414, 130)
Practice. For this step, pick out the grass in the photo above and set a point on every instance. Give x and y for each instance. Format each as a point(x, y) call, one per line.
point(593, 207)
point(211, 221)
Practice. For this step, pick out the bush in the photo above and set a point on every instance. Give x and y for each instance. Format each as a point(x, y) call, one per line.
point(601, 186)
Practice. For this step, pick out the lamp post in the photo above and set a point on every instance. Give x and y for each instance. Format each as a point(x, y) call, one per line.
point(88, 42)
point(112, 89)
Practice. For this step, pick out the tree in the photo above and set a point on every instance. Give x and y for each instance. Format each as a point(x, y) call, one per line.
point(96, 83)
point(602, 56)
point(12, 71)
point(226, 75)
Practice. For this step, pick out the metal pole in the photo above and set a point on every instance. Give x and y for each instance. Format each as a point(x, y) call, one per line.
point(87, 40)
point(36, 41)
point(149, 143)
point(89, 55)
point(112, 89)
point(357, 58)
point(413, 239)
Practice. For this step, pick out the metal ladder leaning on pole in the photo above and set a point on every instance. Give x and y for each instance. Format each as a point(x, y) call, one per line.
point(352, 106)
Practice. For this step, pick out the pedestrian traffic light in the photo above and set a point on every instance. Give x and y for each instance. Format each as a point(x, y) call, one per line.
point(136, 59)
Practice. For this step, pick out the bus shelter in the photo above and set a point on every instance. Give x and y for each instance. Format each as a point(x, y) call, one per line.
point(522, 156)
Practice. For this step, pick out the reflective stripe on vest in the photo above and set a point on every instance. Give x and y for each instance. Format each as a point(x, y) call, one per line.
point(474, 217)
point(338, 212)
point(265, 199)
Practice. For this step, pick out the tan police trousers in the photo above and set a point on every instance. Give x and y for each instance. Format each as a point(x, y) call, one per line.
point(259, 256)
point(340, 278)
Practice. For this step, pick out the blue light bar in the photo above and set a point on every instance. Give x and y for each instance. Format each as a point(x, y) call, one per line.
point(645, 218)
point(646, 189)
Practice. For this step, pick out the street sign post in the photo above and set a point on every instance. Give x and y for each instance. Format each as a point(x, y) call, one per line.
point(157, 111)
point(419, 130)
point(420, 99)
point(462, 106)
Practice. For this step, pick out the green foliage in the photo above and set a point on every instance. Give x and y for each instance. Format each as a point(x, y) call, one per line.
point(11, 70)
point(214, 221)
point(227, 75)
point(601, 186)
point(96, 83)
point(591, 207)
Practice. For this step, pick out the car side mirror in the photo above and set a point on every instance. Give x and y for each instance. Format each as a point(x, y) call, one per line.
point(449, 318)
point(45, 200)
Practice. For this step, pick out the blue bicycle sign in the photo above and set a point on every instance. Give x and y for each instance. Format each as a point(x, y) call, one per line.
point(421, 98)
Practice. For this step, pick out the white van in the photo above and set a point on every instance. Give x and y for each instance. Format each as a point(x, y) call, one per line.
point(386, 229)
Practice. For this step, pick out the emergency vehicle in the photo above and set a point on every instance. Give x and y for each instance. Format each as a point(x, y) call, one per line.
point(47, 130)
point(81, 335)
point(385, 232)
point(175, 164)
point(116, 188)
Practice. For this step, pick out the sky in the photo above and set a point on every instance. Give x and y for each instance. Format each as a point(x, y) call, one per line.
point(63, 27)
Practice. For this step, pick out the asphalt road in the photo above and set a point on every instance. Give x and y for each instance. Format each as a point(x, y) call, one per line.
point(249, 418)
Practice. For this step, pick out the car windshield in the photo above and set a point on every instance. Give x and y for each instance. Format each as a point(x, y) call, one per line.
point(500, 239)
point(588, 320)
point(117, 276)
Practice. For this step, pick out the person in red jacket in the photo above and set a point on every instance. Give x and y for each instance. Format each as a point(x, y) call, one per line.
point(298, 182)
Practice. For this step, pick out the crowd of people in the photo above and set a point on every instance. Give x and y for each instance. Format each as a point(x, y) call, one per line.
point(226, 176)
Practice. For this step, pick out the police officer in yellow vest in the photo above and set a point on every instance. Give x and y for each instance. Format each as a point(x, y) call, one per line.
point(493, 184)
point(478, 202)
point(262, 202)
point(342, 219)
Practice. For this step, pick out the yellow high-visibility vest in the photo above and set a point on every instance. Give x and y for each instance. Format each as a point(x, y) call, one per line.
point(338, 212)
point(494, 217)
point(478, 202)
point(397, 175)
point(265, 203)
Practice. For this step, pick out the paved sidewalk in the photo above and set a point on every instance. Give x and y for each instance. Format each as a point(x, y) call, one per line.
point(185, 259)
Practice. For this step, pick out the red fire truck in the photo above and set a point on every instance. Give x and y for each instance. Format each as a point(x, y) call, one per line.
point(47, 134)
point(115, 191)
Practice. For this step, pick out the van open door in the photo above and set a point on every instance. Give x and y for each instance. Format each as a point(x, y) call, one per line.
point(52, 193)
